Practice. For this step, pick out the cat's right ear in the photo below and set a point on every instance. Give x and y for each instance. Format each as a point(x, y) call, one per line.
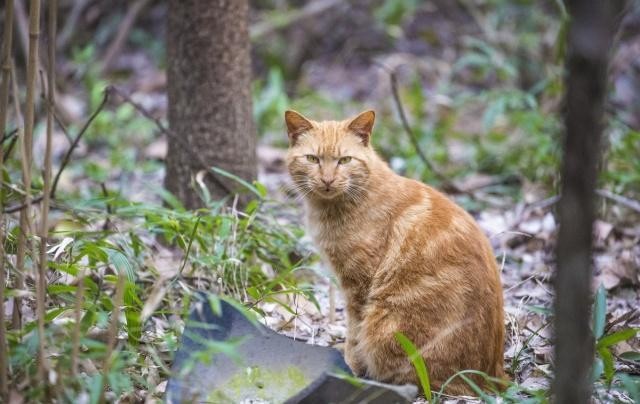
point(296, 125)
point(362, 125)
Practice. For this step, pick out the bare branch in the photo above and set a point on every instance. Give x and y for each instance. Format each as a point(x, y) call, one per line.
point(447, 185)
point(76, 141)
point(71, 23)
point(169, 133)
point(67, 157)
point(122, 33)
point(622, 200)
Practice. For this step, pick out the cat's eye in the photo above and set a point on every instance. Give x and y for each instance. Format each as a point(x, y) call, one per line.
point(344, 160)
point(312, 159)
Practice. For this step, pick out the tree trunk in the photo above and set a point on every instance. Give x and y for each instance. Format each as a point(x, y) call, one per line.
point(209, 86)
point(589, 42)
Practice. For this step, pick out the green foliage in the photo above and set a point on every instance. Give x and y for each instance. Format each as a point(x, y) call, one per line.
point(244, 255)
point(269, 101)
point(392, 13)
point(622, 165)
point(603, 366)
point(485, 60)
point(121, 129)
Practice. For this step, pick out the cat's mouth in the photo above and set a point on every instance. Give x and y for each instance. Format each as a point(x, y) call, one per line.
point(327, 192)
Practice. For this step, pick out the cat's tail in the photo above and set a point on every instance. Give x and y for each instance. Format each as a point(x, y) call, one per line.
point(500, 374)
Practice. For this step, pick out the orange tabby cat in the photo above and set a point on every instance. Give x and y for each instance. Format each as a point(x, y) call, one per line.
point(408, 259)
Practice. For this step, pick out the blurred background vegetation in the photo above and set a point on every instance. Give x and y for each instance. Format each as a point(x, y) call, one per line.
point(481, 82)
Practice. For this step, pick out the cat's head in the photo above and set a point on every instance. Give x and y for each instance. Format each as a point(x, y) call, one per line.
point(330, 159)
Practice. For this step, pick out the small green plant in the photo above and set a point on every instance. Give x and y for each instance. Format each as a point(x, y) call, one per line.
point(604, 364)
point(245, 255)
point(269, 100)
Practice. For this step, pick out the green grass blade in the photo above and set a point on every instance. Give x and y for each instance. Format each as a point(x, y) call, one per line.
point(239, 180)
point(619, 336)
point(599, 312)
point(418, 363)
point(484, 396)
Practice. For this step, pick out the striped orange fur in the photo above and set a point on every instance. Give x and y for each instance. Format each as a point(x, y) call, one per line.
point(408, 259)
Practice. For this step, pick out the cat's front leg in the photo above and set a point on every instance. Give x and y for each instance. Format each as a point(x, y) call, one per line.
point(351, 353)
point(352, 356)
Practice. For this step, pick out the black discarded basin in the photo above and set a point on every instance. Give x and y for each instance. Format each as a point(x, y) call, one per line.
point(262, 366)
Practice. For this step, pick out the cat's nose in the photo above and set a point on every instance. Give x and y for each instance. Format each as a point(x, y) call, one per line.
point(328, 181)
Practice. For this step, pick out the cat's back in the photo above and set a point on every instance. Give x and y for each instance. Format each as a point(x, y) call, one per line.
point(434, 229)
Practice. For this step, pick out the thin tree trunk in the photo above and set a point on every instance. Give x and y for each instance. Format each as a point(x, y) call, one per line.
point(4, 107)
point(209, 86)
point(44, 216)
point(590, 38)
point(27, 153)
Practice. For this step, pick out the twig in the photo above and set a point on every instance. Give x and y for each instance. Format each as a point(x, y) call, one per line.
point(76, 141)
point(113, 332)
point(448, 185)
point(188, 252)
point(43, 95)
point(105, 193)
point(12, 144)
point(62, 126)
point(169, 133)
point(552, 200)
point(77, 313)
point(4, 106)
point(405, 122)
point(16, 316)
point(67, 156)
point(44, 215)
point(633, 364)
point(13, 132)
point(540, 204)
point(22, 27)
point(622, 200)
point(122, 33)
point(628, 317)
point(71, 24)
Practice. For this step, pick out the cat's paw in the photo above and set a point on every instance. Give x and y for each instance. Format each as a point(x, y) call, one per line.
point(356, 364)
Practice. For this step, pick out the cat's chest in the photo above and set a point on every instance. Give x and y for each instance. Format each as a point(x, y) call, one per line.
point(350, 246)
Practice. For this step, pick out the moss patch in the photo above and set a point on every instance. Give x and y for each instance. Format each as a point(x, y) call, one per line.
point(273, 385)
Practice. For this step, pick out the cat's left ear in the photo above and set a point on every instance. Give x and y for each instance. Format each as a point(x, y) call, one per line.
point(297, 124)
point(362, 125)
